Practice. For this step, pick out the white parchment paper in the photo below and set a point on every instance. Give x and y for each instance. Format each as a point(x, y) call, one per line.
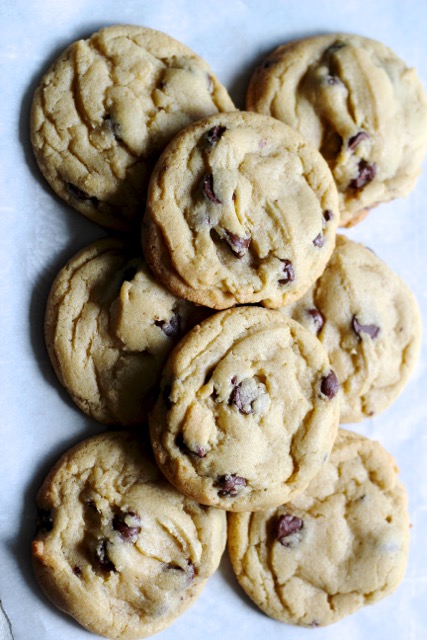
point(38, 233)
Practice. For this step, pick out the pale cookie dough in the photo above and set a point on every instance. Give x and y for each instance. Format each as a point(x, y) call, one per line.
point(340, 545)
point(240, 210)
point(106, 109)
point(368, 321)
point(248, 410)
point(117, 547)
point(109, 328)
point(359, 104)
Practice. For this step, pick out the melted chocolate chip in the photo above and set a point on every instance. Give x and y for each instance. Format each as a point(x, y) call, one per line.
point(208, 189)
point(102, 558)
point(371, 329)
point(171, 328)
point(114, 126)
point(230, 485)
point(44, 521)
point(240, 400)
point(330, 385)
point(238, 245)
point(79, 194)
point(319, 240)
point(317, 318)
point(367, 173)
point(200, 452)
point(127, 525)
point(286, 525)
point(357, 139)
point(214, 134)
point(328, 215)
point(288, 270)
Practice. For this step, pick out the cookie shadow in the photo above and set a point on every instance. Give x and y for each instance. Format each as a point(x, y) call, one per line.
point(227, 572)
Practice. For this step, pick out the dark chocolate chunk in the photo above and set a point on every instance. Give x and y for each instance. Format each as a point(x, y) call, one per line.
point(330, 385)
point(208, 189)
point(371, 329)
point(230, 485)
point(367, 173)
point(319, 240)
point(238, 245)
point(102, 558)
point(127, 525)
point(214, 134)
point(79, 194)
point(171, 328)
point(328, 215)
point(44, 521)
point(288, 271)
point(357, 139)
point(286, 525)
point(317, 318)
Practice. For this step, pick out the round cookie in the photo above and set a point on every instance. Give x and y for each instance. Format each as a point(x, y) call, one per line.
point(368, 321)
point(359, 104)
point(240, 210)
point(106, 109)
point(339, 545)
point(117, 547)
point(248, 410)
point(109, 327)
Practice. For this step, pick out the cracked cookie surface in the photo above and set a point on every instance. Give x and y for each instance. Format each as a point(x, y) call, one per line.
point(109, 327)
point(117, 547)
point(248, 410)
point(106, 109)
point(368, 321)
point(359, 104)
point(240, 210)
point(341, 544)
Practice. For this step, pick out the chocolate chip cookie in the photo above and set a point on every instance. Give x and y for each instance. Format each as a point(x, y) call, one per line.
point(117, 547)
point(368, 321)
point(341, 544)
point(240, 210)
point(359, 104)
point(109, 328)
point(106, 109)
point(248, 410)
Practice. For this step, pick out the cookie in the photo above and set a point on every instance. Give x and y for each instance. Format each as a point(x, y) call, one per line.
point(356, 102)
point(368, 321)
point(117, 547)
point(248, 410)
point(106, 109)
point(341, 544)
point(109, 328)
point(240, 210)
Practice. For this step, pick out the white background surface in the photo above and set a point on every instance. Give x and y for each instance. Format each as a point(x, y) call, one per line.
point(38, 234)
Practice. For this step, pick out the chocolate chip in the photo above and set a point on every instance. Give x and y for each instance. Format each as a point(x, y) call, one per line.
point(127, 525)
point(371, 329)
point(238, 245)
point(230, 485)
point(286, 525)
point(367, 173)
point(189, 570)
point(328, 215)
point(317, 318)
point(357, 139)
point(79, 194)
point(288, 271)
point(171, 328)
point(214, 134)
point(114, 126)
point(244, 404)
point(200, 452)
point(208, 190)
point(102, 558)
point(76, 570)
point(330, 385)
point(319, 240)
point(44, 521)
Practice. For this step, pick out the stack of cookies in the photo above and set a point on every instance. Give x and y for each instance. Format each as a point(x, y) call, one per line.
point(227, 346)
